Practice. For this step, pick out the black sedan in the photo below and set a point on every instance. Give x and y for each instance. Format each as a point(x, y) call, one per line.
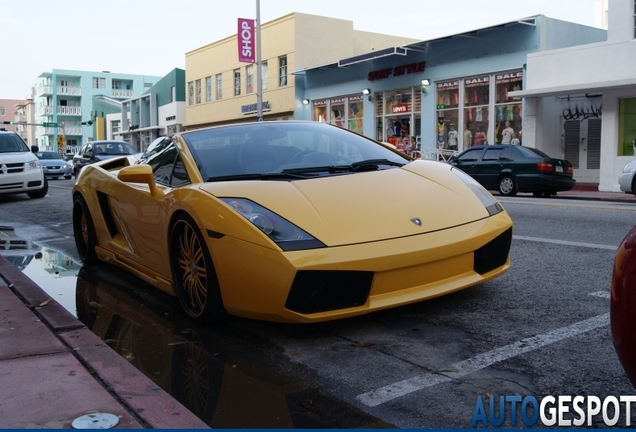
point(510, 169)
point(97, 151)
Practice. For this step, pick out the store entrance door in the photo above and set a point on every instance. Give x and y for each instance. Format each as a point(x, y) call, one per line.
point(582, 147)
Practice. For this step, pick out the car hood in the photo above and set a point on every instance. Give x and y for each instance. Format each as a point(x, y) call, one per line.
point(365, 207)
point(16, 157)
point(53, 162)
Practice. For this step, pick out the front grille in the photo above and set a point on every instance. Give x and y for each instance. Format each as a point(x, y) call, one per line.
point(494, 253)
point(13, 168)
point(324, 290)
point(9, 186)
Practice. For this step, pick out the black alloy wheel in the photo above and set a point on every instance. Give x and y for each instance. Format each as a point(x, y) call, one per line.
point(193, 273)
point(84, 231)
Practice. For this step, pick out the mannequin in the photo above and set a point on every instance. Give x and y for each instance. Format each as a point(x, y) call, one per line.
point(507, 133)
point(468, 138)
point(452, 137)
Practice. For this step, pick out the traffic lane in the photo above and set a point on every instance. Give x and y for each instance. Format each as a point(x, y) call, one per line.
point(545, 299)
point(592, 222)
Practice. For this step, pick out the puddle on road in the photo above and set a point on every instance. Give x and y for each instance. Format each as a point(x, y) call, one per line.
point(192, 363)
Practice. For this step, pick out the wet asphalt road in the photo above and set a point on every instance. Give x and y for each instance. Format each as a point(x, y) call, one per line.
point(541, 329)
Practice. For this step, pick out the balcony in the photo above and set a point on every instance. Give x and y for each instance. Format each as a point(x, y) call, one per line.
point(122, 94)
point(69, 110)
point(45, 90)
point(67, 130)
point(45, 110)
point(69, 91)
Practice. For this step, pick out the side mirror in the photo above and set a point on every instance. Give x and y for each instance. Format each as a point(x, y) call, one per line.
point(140, 174)
point(35, 149)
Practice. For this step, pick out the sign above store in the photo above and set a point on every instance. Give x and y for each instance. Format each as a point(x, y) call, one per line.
point(251, 108)
point(397, 71)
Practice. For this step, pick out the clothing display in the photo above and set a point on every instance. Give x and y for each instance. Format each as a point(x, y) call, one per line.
point(506, 135)
point(452, 139)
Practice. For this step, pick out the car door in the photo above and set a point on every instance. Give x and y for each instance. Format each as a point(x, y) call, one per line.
point(142, 218)
point(487, 170)
point(467, 161)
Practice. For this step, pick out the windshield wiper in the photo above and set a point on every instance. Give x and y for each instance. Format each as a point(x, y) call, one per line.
point(372, 164)
point(331, 169)
point(257, 176)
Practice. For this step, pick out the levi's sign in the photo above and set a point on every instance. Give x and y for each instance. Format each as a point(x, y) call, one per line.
point(246, 38)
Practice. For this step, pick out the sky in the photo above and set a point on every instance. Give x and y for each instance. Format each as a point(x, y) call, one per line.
point(151, 37)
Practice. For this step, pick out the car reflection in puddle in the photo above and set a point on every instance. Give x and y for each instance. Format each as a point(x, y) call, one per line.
point(193, 364)
point(53, 271)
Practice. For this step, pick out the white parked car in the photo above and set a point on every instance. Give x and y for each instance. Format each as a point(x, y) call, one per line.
point(627, 180)
point(20, 169)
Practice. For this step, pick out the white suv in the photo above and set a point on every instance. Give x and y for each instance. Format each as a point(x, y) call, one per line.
point(20, 169)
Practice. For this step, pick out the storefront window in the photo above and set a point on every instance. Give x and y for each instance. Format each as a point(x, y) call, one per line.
point(448, 115)
point(398, 102)
point(508, 111)
point(476, 111)
point(320, 111)
point(337, 112)
point(627, 127)
point(355, 111)
point(344, 112)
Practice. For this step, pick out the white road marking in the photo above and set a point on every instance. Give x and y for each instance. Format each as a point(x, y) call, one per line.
point(564, 242)
point(601, 294)
point(481, 361)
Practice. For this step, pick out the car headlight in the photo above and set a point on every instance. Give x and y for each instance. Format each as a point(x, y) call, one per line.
point(34, 164)
point(282, 232)
point(492, 205)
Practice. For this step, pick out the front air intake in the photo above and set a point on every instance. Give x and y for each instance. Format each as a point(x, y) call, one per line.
point(325, 290)
point(493, 254)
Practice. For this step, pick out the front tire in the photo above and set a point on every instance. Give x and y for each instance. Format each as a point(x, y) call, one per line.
point(84, 231)
point(193, 272)
point(507, 186)
point(42, 192)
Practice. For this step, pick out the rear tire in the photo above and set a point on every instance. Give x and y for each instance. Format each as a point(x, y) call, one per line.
point(84, 231)
point(42, 192)
point(507, 186)
point(193, 273)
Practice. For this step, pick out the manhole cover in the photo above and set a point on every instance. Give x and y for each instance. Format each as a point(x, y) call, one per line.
point(95, 421)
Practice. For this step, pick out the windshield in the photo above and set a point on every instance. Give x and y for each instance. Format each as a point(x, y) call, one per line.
point(48, 156)
point(12, 143)
point(113, 148)
point(300, 148)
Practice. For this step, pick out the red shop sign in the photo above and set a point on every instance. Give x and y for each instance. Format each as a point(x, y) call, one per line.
point(401, 108)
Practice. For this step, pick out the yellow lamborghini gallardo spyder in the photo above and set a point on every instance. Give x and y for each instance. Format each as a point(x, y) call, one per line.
point(289, 221)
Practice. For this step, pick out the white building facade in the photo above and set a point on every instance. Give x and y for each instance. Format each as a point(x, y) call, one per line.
point(581, 101)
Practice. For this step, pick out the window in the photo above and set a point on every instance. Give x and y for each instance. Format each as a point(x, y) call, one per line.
point(115, 126)
point(99, 83)
point(117, 85)
point(167, 167)
point(197, 84)
point(219, 86)
point(2, 111)
point(237, 82)
point(264, 74)
point(208, 89)
point(173, 93)
point(471, 155)
point(190, 93)
point(282, 71)
point(249, 74)
point(492, 154)
point(627, 127)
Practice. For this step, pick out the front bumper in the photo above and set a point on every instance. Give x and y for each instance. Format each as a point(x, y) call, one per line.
point(26, 181)
point(625, 181)
point(338, 282)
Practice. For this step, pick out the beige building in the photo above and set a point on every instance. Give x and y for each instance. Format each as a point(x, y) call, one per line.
point(221, 90)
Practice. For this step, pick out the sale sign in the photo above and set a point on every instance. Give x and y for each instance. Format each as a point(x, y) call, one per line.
point(246, 41)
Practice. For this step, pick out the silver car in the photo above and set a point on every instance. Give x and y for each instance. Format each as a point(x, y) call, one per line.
point(54, 165)
point(627, 179)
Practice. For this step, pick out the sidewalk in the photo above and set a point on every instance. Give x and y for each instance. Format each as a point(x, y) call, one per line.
point(54, 370)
